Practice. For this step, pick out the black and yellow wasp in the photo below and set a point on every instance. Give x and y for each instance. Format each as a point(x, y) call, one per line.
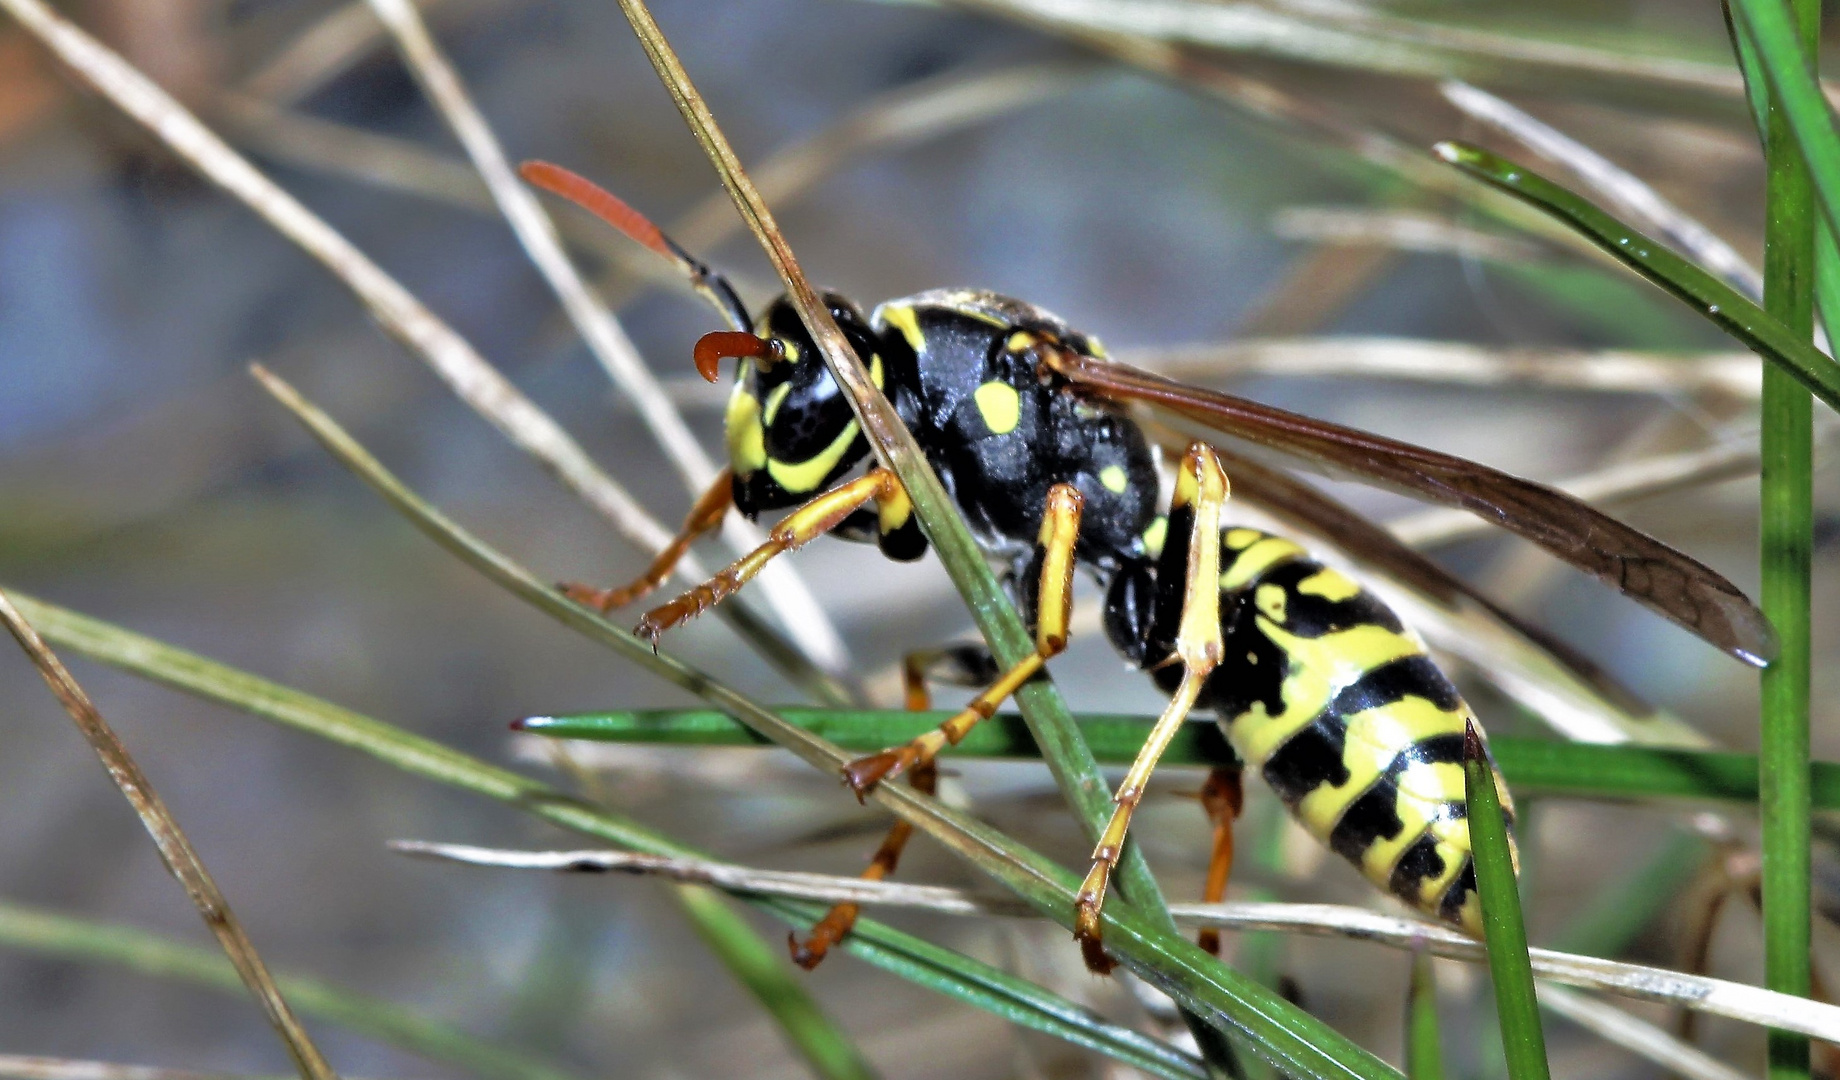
point(1317, 685)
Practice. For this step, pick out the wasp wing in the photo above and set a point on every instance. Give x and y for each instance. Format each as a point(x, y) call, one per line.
point(1667, 581)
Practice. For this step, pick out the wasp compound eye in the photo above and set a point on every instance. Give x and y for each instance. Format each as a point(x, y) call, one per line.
point(712, 348)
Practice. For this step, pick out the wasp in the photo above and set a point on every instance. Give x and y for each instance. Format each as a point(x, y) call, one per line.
point(1316, 683)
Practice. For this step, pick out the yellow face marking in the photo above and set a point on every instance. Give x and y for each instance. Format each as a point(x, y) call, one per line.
point(802, 476)
point(1241, 539)
point(1000, 406)
point(1113, 478)
point(1270, 601)
point(1020, 341)
point(902, 318)
point(774, 400)
point(1332, 585)
point(1320, 668)
point(790, 351)
point(1155, 535)
point(747, 440)
point(1255, 560)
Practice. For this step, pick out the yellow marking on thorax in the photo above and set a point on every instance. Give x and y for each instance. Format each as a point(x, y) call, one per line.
point(1270, 601)
point(1332, 585)
point(902, 318)
point(1000, 406)
point(875, 369)
point(775, 399)
point(1154, 536)
point(1320, 668)
point(1257, 559)
point(747, 440)
point(1020, 341)
point(799, 477)
point(1240, 539)
point(1114, 479)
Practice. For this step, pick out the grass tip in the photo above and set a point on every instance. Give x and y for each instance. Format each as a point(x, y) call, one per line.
point(1472, 743)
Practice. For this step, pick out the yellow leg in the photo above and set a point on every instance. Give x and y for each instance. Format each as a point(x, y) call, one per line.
point(798, 528)
point(1060, 529)
point(704, 516)
point(1202, 486)
point(1223, 796)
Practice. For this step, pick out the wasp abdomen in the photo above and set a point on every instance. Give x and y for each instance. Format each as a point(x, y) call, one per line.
point(1336, 703)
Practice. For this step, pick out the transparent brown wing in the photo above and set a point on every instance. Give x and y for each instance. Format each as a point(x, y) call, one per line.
point(1671, 583)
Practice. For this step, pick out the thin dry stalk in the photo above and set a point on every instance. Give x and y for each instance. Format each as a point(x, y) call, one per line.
point(380, 160)
point(799, 611)
point(1403, 230)
point(175, 849)
point(30, 1067)
point(450, 356)
point(1628, 196)
point(1637, 1036)
point(1734, 1000)
point(1734, 375)
point(316, 55)
point(906, 115)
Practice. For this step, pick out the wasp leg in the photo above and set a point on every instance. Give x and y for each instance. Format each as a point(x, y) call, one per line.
point(1060, 528)
point(1201, 488)
point(797, 529)
point(706, 515)
point(1223, 796)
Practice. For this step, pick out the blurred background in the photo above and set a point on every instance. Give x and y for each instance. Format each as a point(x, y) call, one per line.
point(1236, 195)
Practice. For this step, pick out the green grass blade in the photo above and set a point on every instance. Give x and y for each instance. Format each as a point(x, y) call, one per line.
point(1510, 971)
point(929, 965)
point(48, 933)
point(1802, 164)
point(1542, 766)
point(764, 972)
point(1424, 1054)
point(1706, 294)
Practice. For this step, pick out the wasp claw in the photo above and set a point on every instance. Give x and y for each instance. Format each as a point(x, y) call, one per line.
point(865, 773)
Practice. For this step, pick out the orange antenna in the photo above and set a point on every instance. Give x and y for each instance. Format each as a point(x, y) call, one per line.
point(711, 348)
point(613, 210)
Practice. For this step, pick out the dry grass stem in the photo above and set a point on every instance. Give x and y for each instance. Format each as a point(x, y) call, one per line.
point(1718, 996)
point(1610, 371)
point(1344, 35)
point(1404, 230)
point(1636, 1035)
point(175, 849)
point(804, 620)
point(909, 114)
point(470, 376)
point(30, 1067)
point(1629, 197)
point(318, 54)
point(380, 160)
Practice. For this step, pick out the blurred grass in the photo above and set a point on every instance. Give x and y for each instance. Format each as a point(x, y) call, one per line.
point(58, 936)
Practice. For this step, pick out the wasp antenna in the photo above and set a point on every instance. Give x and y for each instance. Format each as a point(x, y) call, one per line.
point(712, 348)
point(614, 210)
